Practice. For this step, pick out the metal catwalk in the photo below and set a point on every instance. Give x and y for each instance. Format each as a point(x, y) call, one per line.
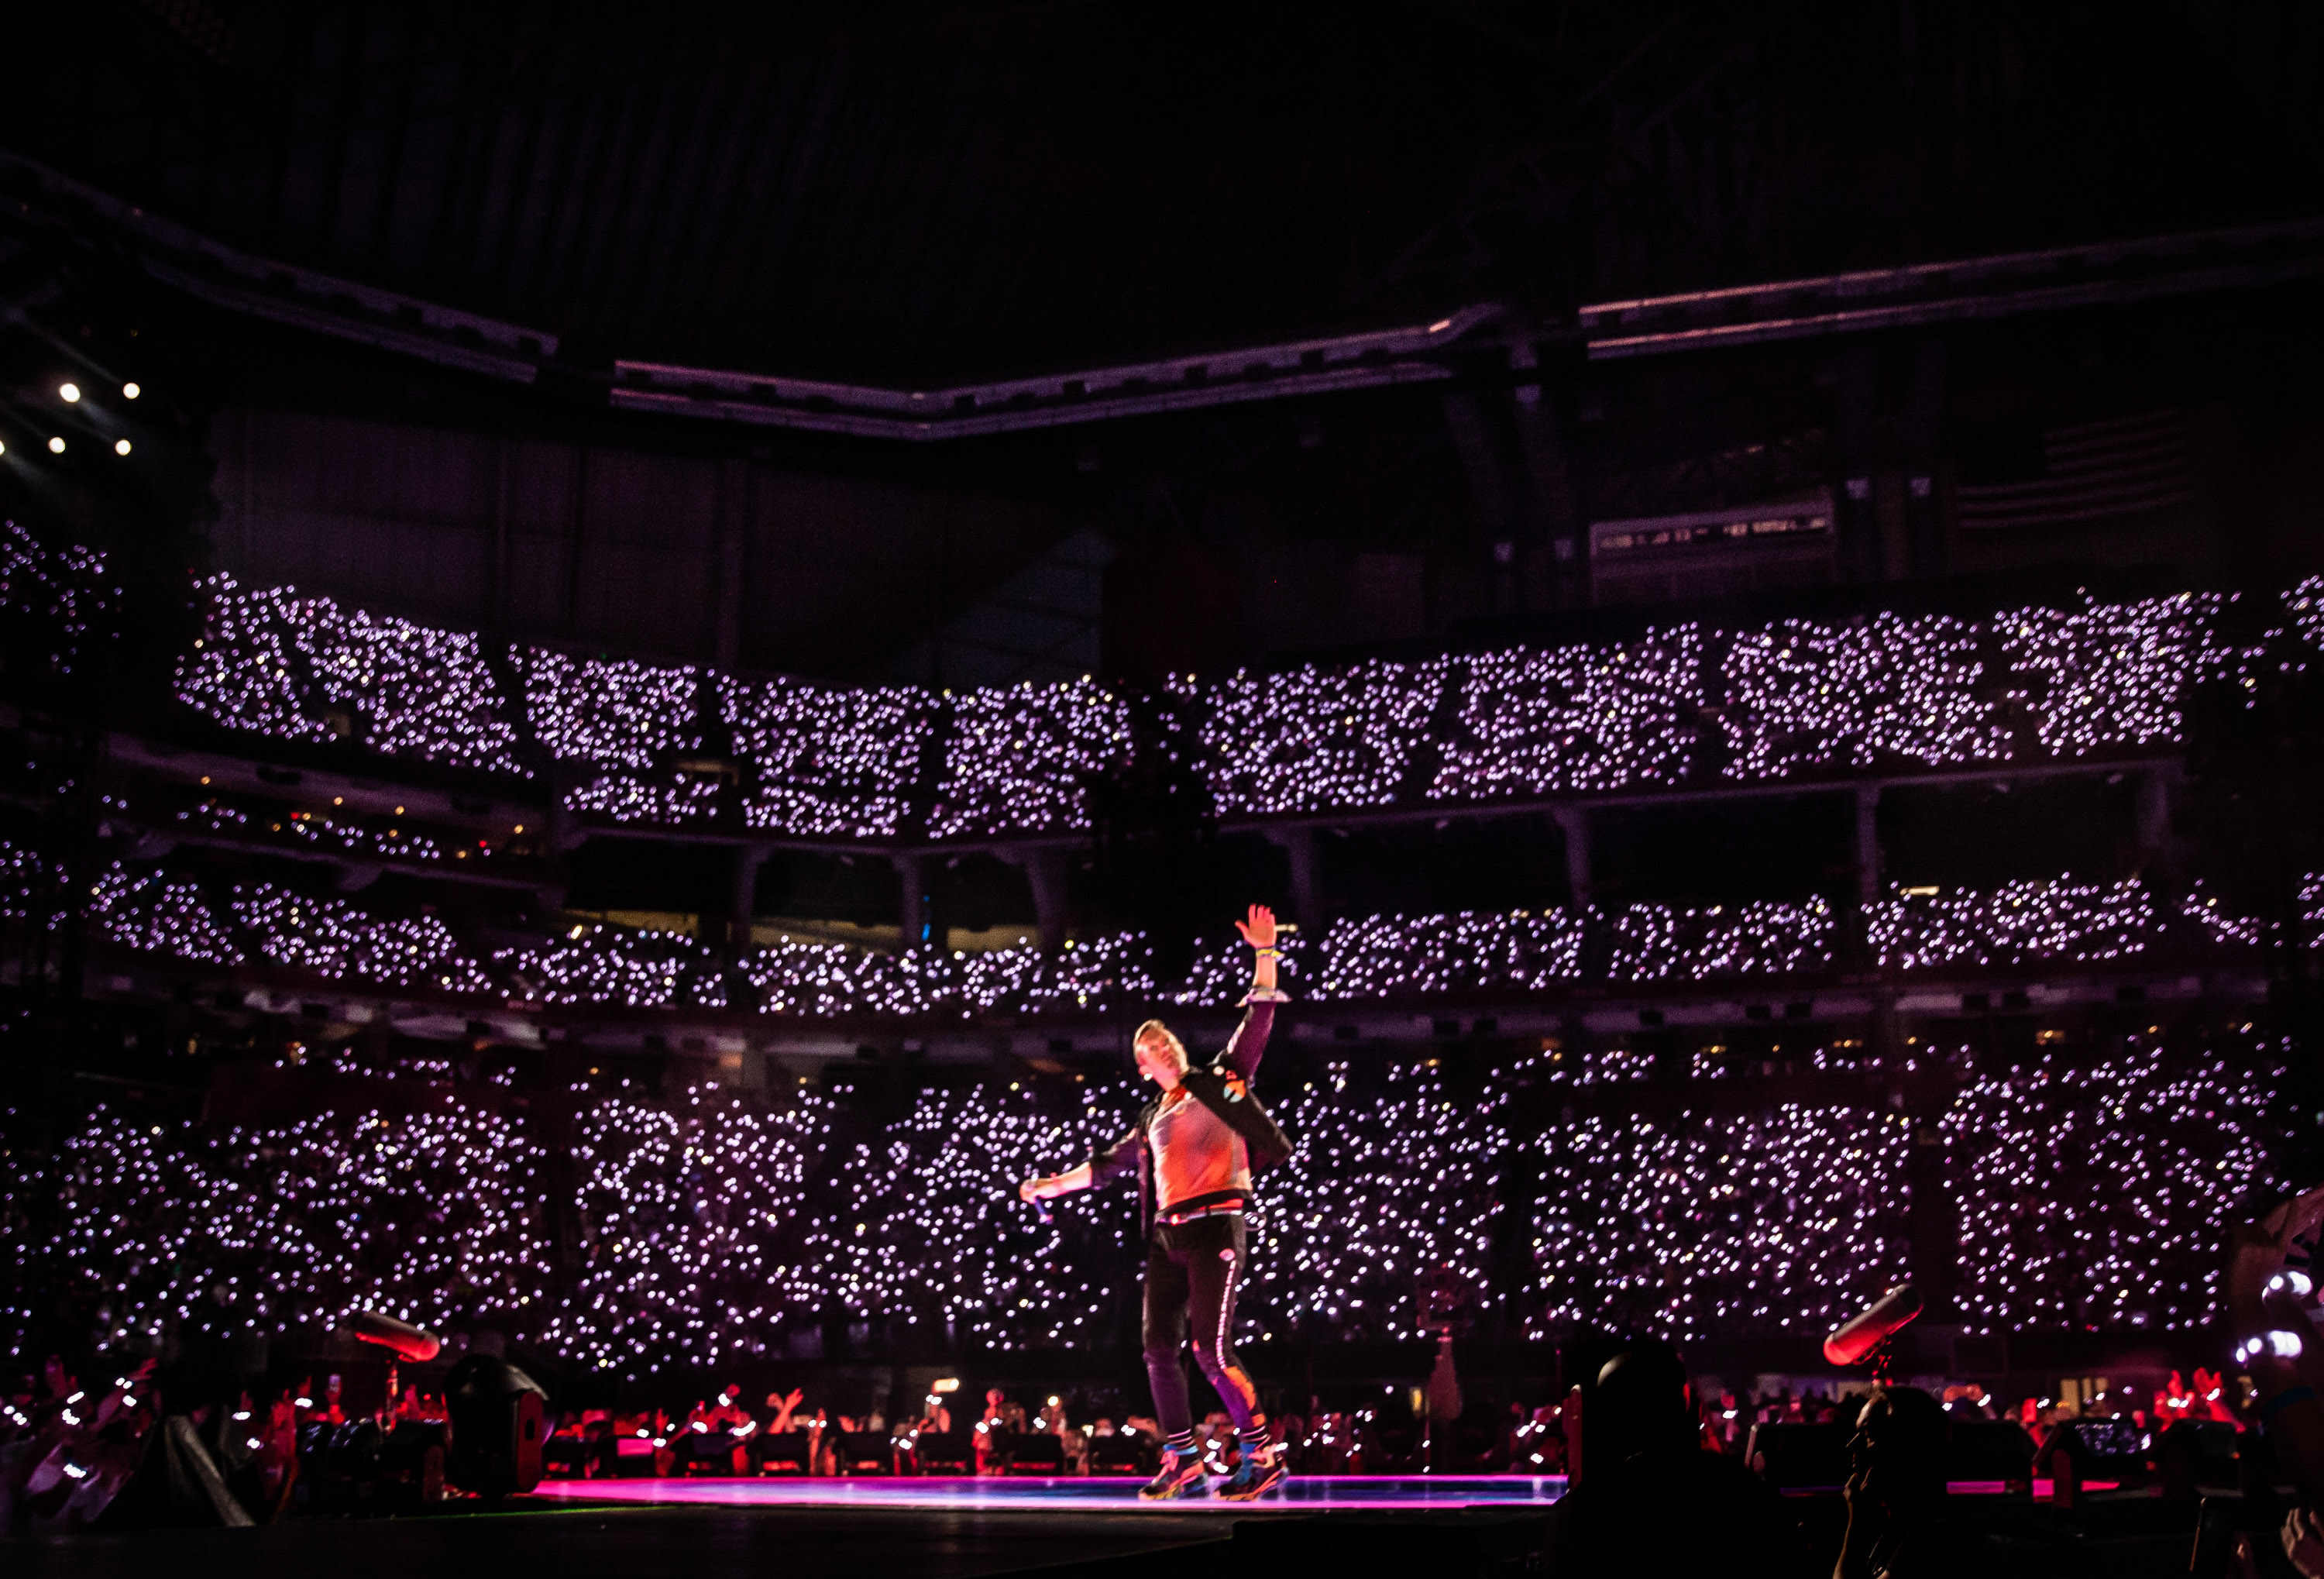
point(1073, 1494)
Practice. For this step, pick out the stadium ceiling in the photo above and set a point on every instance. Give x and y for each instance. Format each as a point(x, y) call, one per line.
point(929, 199)
point(1478, 340)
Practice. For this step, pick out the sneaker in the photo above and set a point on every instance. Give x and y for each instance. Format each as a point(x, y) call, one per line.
point(1181, 1476)
point(1252, 1479)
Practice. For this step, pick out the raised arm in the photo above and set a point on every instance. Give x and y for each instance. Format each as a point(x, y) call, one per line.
point(1249, 1042)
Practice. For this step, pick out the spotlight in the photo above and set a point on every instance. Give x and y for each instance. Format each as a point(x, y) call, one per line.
point(130, 392)
point(69, 391)
point(121, 447)
point(56, 446)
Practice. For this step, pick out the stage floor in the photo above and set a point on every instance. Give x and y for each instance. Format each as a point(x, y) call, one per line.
point(1072, 1494)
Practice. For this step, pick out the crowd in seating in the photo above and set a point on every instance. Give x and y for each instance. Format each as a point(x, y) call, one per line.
point(618, 967)
point(1721, 1223)
point(2057, 918)
point(1355, 960)
point(1798, 697)
point(1022, 759)
point(283, 665)
point(437, 1214)
point(2108, 1170)
point(335, 939)
point(59, 603)
point(828, 760)
point(724, 1226)
point(318, 831)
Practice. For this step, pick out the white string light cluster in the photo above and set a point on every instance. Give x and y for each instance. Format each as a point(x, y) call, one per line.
point(1609, 1065)
point(1315, 739)
point(2111, 675)
point(797, 975)
point(1098, 976)
point(1020, 759)
point(618, 966)
point(2089, 1195)
point(1717, 1061)
point(273, 661)
point(929, 1230)
point(1388, 957)
point(63, 592)
point(1359, 959)
point(2312, 907)
point(321, 830)
point(669, 795)
point(2101, 1196)
point(1566, 720)
point(1221, 970)
point(239, 673)
point(2014, 924)
point(1798, 697)
point(611, 711)
point(1789, 1219)
point(160, 915)
point(681, 1209)
point(952, 982)
point(333, 939)
point(1804, 696)
point(2219, 923)
point(921, 981)
point(419, 691)
point(1381, 1187)
point(828, 761)
point(1653, 943)
point(28, 881)
point(1108, 975)
point(433, 1217)
point(2304, 606)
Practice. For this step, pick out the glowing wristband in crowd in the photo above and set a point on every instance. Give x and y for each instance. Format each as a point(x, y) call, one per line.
point(1268, 951)
point(1264, 995)
point(2278, 1344)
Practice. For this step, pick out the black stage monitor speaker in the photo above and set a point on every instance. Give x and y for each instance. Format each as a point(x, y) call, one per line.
point(866, 1453)
point(706, 1452)
point(947, 1453)
point(1036, 1454)
point(496, 1427)
point(1118, 1455)
point(783, 1454)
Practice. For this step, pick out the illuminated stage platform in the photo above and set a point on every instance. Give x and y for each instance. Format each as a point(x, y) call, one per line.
point(1075, 1494)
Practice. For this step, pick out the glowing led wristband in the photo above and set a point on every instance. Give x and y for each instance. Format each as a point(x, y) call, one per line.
point(2279, 1344)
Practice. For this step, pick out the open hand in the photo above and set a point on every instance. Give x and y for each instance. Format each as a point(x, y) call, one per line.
point(1259, 931)
point(2303, 1542)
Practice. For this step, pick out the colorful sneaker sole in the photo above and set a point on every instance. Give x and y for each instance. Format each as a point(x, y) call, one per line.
point(1192, 1483)
point(1266, 1480)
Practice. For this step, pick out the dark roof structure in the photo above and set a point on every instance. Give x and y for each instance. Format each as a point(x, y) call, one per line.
point(930, 194)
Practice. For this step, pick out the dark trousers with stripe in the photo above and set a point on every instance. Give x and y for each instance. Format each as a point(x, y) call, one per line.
point(1191, 1272)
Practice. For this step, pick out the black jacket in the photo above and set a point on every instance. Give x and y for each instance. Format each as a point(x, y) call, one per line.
point(1225, 1088)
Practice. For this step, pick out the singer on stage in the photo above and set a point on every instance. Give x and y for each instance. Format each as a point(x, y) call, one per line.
point(1194, 1148)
